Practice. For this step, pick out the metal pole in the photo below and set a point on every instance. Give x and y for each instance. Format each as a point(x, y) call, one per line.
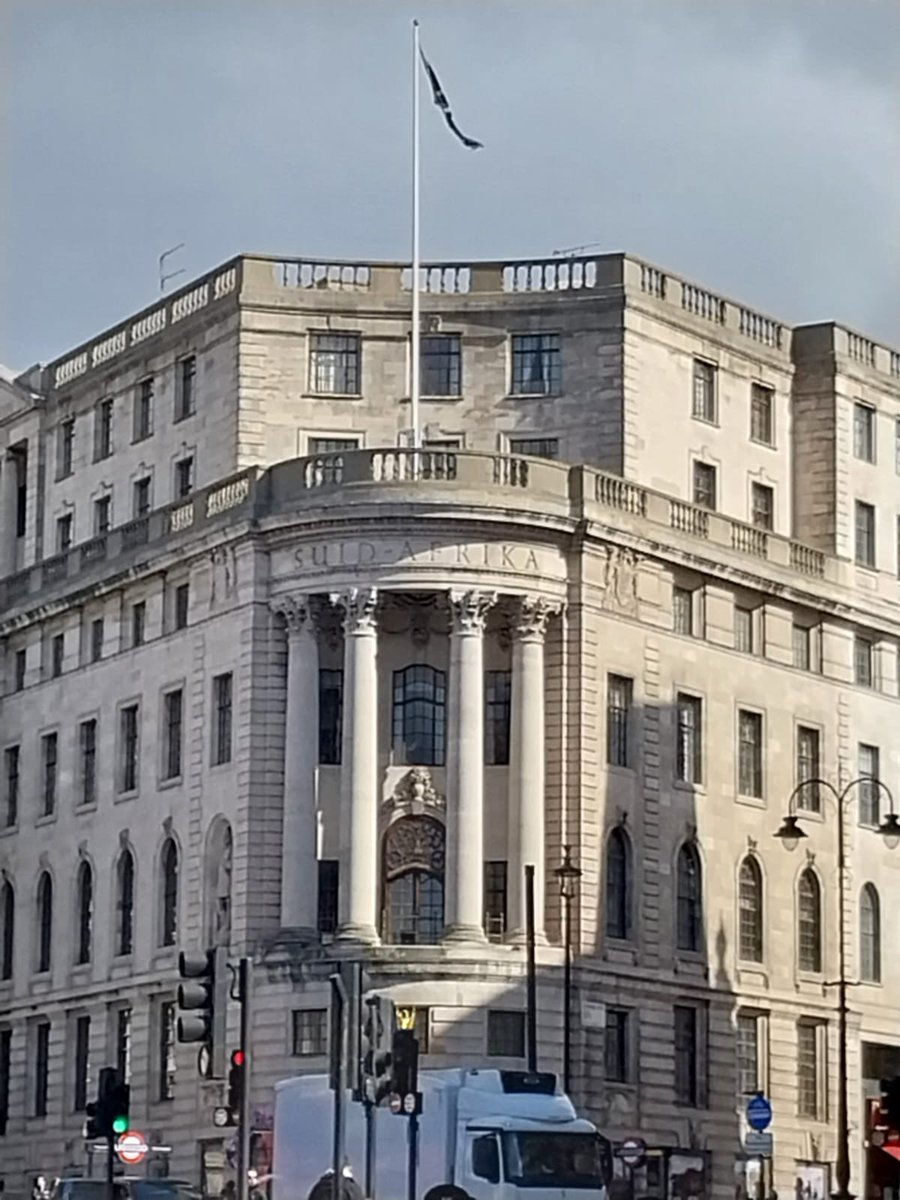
point(416, 300)
point(413, 1160)
point(371, 1127)
point(243, 1156)
point(531, 1014)
point(842, 1161)
point(338, 1081)
point(110, 1153)
point(567, 997)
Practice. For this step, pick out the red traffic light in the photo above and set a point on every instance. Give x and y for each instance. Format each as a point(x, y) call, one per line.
point(238, 1058)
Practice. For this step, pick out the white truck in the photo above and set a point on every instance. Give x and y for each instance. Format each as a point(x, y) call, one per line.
point(484, 1134)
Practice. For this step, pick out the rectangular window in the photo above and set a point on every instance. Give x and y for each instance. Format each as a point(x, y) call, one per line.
point(808, 767)
point(690, 1056)
point(123, 1043)
point(184, 477)
point(334, 364)
point(762, 406)
point(21, 664)
point(49, 772)
point(331, 714)
point(801, 642)
point(689, 755)
point(619, 689)
point(103, 426)
point(865, 534)
point(331, 446)
point(221, 747)
point(750, 753)
point(138, 623)
point(617, 1048)
point(165, 1052)
point(129, 747)
point(495, 893)
point(868, 768)
point(173, 706)
point(809, 1070)
point(41, 1067)
point(863, 661)
point(102, 511)
point(536, 364)
point(705, 401)
point(11, 766)
point(141, 495)
point(185, 390)
point(762, 505)
point(439, 365)
point(309, 1037)
point(449, 443)
point(747, 1047)
point(65, 446)
point(683, 611)
point(329, 877)
point(182, 605)
point(497, 709)
point(82, 1063)
point(743, 630)
point(704, 485)
point(505, 1033)
point(64, 526)
point(5, 1073)
point(535, 447)
point(864, 432)
point(87, 746)
point(57, 654)
point(96, 639)
point(143, 410)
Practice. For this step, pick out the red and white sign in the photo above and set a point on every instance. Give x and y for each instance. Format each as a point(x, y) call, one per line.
point(132, 1148)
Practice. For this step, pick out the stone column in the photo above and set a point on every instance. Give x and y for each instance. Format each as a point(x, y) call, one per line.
point(465, 768)
point(526, 763)
point(359, 849)
point(9, 491)
point(299, 853)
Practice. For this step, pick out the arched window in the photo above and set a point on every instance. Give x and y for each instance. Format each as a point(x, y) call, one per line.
point(809, 922)
point(7, 929)
point(420, 710)
point(84, 901)
point(750, 916)
point(44, 922)
point(870, 935)
point(618, 885)
point(125, 903)
point(689, 894)
point(413, 881)
point(168, 877)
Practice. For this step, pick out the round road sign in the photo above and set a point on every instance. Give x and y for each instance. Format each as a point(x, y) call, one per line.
point(759, 1112)
point(396, 1104)
point(132, 1148)
point(409, 1103)
point(632, 1152)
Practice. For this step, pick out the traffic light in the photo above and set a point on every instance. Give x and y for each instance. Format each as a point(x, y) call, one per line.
point(890, 1101)
point(236, 1082)
point(107, 1116)
point(375, 1047)
point(202, 998)
point(404, 1063)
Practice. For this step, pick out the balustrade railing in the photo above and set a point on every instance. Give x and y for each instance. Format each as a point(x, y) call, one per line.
point(688, 519)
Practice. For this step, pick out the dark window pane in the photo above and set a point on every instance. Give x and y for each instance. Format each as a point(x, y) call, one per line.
point(419, 717)
point(497, 708)
point(331, 712)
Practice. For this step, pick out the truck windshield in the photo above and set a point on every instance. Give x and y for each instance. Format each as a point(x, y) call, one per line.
point(551, 1160)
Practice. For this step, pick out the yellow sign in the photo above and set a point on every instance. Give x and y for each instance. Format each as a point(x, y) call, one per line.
point(406, 1018)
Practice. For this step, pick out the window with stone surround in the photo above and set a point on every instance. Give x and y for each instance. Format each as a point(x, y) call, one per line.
point(864, 432)
point(65, 447)
point(811, 1049)
point(689, 738)
point(619, 692)
point(683, 615)
point(691, 1055)
point(44, 939)
point(505, 1033)
point(138, 623)
point(141, 497)
point(868, 769)
point(419, 716)
point(617, 1049)
point(762, 505)
point(618, 885)
point(168, 893)
point(440, 358)
point(102, 512)
point(705, 403)
point(96, 639)
point(185, 388)
point(222, 690)
point(142, 422)
point(103, 427)
point(750, 911)
point(182, 602)
point(744, 620)
point(334, 364)
point(5, 1077)
point(749, 1027)
point(129, 747)
point(705, 485)
point(84, 907)
point(497, 709)
point(864, 525)
point(870, 934)
point(40, 1032)
point(495, 899)
point(166, 1061)
point(413, 866)
point(809, 922)
point(124, 944)
point(12, 758)
point(802, 646)
point(331, 711)
point(173, 733)
point(309, 1032)
point(863, 661)
point(64, 532)
point(57, 654)
point(49, 773)
point(184, 477)
point(82, 1062)
point(536, 364)
point(7, 929)
point(689, 900)
point(328, 891)
point(535, 447)
point(808, 768)
point(750, 753)
point(122, 1020)
point(762, 407)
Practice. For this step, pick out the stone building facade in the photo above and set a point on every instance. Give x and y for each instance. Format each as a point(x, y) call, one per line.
point(269, 677)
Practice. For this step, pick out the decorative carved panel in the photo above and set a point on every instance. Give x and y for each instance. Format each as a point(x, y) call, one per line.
point(619, 579)
point(469, 610)
point(357, 606)
point(414, 843)
point(415, 793)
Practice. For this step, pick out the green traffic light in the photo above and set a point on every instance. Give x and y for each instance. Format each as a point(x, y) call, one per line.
point(120, 1125)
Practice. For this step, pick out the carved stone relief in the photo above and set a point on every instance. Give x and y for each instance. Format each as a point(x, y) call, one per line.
point(222, 575)
point(469, 610)
point(357, 606)
point(295, 609)
point(414, 842)
point(531, 617)
point(415, 795)
point(619, 579)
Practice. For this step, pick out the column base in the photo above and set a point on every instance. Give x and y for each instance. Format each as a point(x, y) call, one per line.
point(357, 933)
point(519, 937)
point(464, 933)
point(303, 935)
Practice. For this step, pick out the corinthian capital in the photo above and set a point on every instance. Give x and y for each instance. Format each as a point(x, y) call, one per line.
point(469, 610)
point(357, 608)
point(531, 617)
point(296, 610)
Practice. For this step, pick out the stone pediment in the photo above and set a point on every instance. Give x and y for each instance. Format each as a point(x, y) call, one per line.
point(415, 795)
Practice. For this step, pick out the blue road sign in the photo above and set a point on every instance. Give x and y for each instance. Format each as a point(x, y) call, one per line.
point(759, 1112)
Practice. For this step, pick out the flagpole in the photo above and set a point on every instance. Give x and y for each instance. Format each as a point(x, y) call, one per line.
point(416, 321)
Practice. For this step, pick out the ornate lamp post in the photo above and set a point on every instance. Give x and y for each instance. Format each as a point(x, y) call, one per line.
point(791, 834)
point(568, 875)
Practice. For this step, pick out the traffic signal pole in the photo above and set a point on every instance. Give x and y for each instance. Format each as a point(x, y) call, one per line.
point(243, 1155)
point(110, 1163)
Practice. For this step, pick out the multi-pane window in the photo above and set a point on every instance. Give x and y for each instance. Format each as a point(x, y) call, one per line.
point(5, 1077)
point(309, 1032)
point(801, 644)
point(419, 717)
point(84, 899)
point(750, 753)
point(103, 425)
point(689, 1080)
point(222, 719)
point(11, 767)
point(141, 496)
point(809, 922)
point(762, 405)
point(123, 1043)
point(65, 447)
point(536, 364)
point(329, 879)
point(689, 900)
point(185, 388)
point(168, 871)
point(864, 432)
point(49, 773)
point(184, 477)
point(616, 1045)
point(125, 903)
point(439, 365)
point(57, 654)
point(865, 534)
point(87, 756)
point(181, 606)
point(505, 1033)
point(870, 935)
point(96, 639)
point(41, 1067)
point(535, 447)
point(165, 1051)
point(334, 363)
point(414, 908)
point(7, 929)
point(810, 1036)
point(319, 445)
point(64, 527)
point(863, 661)
point(704, 485)
point(747, 1054)
point(689, 739)
point(129, 747)
point(618, 886)
point(82, 1063)
point(143, 410)
point(102, 513)
point(762, 505)
point(705, 403)
point(173, 720)
point(750, 897)
point(743, 630)
point(808, 768)
point(138, 623)
point(497, 702)
point(619, 690)
point(44, 922)
point(868, 770)
point(331, 711)
point(495, 899)
point(683, 611)
point(20, 667)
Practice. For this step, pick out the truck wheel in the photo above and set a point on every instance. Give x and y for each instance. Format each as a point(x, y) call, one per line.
point(446, 1191)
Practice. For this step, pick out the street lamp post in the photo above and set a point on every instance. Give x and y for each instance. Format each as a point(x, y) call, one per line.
point(568, 875)
point(791, 833)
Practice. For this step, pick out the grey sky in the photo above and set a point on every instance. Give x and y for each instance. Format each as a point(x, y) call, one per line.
point(752, 146)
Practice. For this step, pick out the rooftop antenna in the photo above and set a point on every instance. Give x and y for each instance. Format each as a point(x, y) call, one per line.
point(571, 251)
point(163, 276)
